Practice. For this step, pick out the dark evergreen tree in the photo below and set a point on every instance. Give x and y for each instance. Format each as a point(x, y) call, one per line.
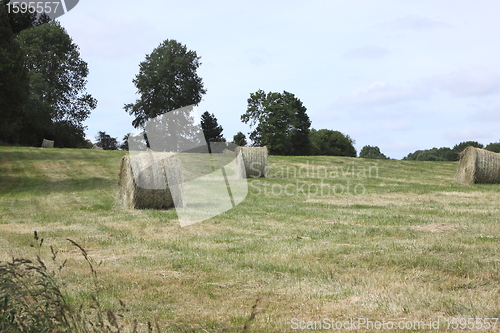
point(106, 142)
point(211, 129)
point(124, 144)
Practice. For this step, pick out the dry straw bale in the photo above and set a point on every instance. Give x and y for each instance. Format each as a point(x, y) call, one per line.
point(255, 161)
point(96, 147)
point(47, 143)
point(478, 166)
point(157, 183)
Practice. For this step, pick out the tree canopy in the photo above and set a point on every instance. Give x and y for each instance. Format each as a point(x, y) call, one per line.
point(434, 154)
point(240, 139)
point(372, 152)
point(494, 147)
point(167, 81)
point(42, 82)
point(441, 154)
point(331, 143)
point(280, 122)
point(13, 81)
point(106, 142)
point(57, 79)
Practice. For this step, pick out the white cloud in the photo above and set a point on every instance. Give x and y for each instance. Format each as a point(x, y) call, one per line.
point(416, 23)
point(478, 81)
point(397, 125)
point(486, 114)
point(380, 93)
point(366, 52)
point(470, 133)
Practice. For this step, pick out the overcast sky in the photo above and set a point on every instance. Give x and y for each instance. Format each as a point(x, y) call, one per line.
point(400, 75)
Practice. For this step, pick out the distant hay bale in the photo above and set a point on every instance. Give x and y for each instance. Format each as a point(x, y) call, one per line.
point(254, 160)
point(151, 180)
point(478, 166)
point(96, 147)
point(47, 143)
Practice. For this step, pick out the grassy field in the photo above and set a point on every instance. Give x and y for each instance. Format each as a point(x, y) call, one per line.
point(323, 237)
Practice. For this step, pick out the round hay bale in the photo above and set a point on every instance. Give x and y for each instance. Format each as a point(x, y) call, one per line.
point(478, 166)
point(151, 180)
point(254, 160)
point(47, 143)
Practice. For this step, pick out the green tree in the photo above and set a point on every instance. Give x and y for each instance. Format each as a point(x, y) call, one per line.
point(494, 147)
point(57, 79)
point(434, 154)
point(21, 20)
point(167, 80)
point(331, 143)
point(211, 129)
point(124, 144)
point(13, 81)
point(240, 139)
point(454, 155)
point(371, 152)
point(106, 142)
point(280, 122)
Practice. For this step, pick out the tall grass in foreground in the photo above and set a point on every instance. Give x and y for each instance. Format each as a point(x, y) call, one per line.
point(31, 300)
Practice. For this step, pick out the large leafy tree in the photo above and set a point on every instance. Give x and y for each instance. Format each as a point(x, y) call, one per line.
point(167, 80)
point(280, 122)
point(57, 74)
point(46, 79)
point(331, 143)
point(13, 81)
point(211, 129)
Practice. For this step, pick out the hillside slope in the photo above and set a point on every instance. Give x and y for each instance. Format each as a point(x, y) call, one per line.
point(324, 237)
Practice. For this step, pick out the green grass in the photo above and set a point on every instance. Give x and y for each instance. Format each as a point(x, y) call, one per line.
point(384, 240)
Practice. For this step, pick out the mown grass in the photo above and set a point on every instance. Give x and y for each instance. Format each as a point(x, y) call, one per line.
point(389, 240)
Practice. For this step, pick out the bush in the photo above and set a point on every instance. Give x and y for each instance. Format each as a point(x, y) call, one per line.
point(372, 152)
point(331, 143)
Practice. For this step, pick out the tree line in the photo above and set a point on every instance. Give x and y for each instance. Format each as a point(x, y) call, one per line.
point(42, 82)
point(43, 95)
point(449, 154)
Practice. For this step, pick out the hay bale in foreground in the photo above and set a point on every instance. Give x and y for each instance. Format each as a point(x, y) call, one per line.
point(478, 166)
point(47, 143)
point(255, 161)
point(151, 180)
